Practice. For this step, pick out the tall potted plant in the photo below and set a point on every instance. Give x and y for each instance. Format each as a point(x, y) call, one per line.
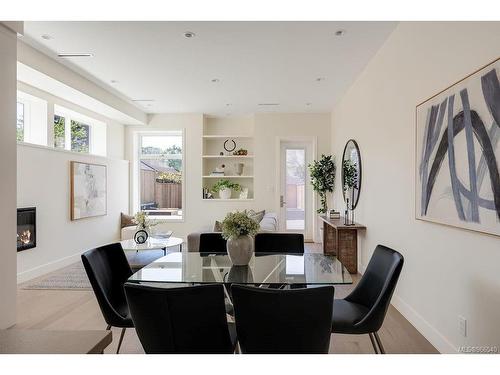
point(323, 178)
point(238, 228)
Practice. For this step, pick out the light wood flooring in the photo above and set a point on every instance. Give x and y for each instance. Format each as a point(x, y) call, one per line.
point(78, 310)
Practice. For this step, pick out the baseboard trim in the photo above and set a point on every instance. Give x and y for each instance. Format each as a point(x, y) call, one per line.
point(46, 268)
point(441, 343)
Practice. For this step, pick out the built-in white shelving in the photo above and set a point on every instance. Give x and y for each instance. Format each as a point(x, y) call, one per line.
point(216, 131)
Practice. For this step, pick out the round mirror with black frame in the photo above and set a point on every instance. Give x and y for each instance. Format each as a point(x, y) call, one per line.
point(351, 173)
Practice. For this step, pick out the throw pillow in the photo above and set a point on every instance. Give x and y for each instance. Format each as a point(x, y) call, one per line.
point(218, 226)
point(126, 220)
point(257, 216)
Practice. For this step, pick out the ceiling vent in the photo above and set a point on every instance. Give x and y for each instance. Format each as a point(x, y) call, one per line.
point(72, 55)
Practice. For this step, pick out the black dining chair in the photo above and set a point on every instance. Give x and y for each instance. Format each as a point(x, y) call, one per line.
point(298, 322)
point(363, 310)
point(279, 243)
point(189, 320)
point(108, 269)
point(211, 243)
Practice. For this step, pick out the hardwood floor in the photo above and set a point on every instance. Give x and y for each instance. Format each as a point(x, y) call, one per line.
point(78, 310)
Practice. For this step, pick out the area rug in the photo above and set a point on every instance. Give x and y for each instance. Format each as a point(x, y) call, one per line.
point(72, 277)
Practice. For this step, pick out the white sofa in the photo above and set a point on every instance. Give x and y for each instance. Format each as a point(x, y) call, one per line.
point(128, 232)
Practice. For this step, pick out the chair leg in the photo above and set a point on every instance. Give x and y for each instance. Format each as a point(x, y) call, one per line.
point(108, 327)
point(372, 339)
point(121, 339)
point(379, 342)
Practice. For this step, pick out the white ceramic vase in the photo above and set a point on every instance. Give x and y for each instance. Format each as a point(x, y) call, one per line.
point(225, 193)
point(240, 250)
point(238, 169)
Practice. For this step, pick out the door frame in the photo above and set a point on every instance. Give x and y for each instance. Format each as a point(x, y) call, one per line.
point(309, 234)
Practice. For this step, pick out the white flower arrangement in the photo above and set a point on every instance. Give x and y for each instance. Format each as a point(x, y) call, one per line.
point(143, 221)
point(238, 224)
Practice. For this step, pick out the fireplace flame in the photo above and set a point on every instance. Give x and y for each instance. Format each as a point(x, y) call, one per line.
point(25, 237)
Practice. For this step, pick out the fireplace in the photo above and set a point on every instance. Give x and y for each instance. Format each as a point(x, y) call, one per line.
point(26, 228)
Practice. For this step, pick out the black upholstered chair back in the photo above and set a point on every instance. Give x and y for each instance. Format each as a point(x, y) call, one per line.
point(108, 269)
point(283, 321)
point(212, 243)
point(180, 320)
point(279, 243)
point(377, 285)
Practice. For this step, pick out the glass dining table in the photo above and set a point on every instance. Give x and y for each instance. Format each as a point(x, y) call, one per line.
point(263, 269)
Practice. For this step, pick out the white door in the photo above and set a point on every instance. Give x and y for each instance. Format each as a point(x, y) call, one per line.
point(295, 189)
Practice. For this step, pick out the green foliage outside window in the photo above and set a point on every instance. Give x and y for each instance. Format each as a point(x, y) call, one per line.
point(59, 137)
point(169, 177)
point(80, 137)
point(20, 122)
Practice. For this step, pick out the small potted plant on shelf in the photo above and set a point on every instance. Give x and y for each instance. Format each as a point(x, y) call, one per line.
point(238, 228)
point(225, 188)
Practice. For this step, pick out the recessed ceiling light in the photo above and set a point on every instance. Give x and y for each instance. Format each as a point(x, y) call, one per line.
point(113, 81)
point(215, 80)
point(46, 37)
point(308, 104)
point(228, 104)
point(320, 79)
point(71, 55)
point(268, 104)
point(189, 34)
point(340, 32)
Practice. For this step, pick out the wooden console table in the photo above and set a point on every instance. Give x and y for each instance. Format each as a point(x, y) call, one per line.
point(342, 241)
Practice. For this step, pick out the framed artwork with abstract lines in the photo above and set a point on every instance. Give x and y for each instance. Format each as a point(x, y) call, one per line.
point(458, 154)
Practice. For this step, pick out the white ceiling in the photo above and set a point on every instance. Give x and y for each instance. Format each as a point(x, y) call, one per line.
point(256, 62)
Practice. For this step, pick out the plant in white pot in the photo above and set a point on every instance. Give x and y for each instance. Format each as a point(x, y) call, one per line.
point(238, 228)
point(225, 188)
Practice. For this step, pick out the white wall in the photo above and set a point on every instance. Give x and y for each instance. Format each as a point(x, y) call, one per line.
point(448, 271)
point(44, 182)
point(201, 214)
point(8, 185)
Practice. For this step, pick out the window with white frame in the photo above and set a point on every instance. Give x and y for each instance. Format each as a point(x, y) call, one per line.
point(76, 132)
point(31, 124)
point(161, 172)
